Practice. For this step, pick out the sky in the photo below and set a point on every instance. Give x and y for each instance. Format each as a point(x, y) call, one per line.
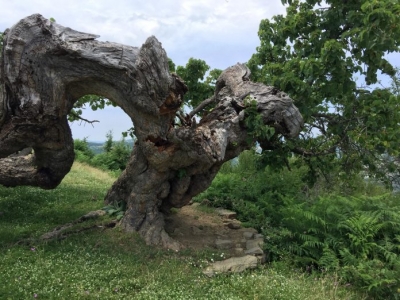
point(220, 32)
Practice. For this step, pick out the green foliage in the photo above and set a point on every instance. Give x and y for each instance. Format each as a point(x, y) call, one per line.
point(256, 128)
point(200, 86)
point(95, 102)
point(82, 150)
point(182, 173)
point(395, 85)
point(357, 234)
point(349, 228)
point(108, 145)
point(256, 195)
point(114, 158)
point(130, 132)
point(314, 54)
point(117, 210)
point(171, 66)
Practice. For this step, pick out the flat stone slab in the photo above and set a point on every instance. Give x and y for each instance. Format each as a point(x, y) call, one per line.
point(254, 251)
point(254, 243)
point(224, 244)
point(231, 265)
point(224, 213)
point(234, 225)
point(248, 235)
point(239, 251)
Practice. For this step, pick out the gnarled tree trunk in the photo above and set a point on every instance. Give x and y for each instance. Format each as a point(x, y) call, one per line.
point(46, 68)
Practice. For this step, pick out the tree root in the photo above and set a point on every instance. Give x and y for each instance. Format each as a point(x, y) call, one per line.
point(64, 231)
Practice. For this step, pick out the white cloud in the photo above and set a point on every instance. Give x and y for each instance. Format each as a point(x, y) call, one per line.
point(221, 32)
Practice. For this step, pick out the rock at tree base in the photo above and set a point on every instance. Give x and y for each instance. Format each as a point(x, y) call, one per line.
point(223, 244)
point(222, 212)
point(231, 265)
point(254, 251)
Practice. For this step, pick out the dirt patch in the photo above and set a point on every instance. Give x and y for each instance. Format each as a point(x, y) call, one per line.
point(199, 228)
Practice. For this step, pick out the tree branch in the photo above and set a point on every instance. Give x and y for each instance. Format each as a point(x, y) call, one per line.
point(201, 106)
point(77, 117)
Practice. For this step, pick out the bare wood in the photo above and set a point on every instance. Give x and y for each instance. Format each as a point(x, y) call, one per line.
point(46, 68)
point(201, 106)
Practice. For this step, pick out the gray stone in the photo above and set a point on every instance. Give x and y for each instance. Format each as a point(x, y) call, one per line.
point(248, 235)
point(227, 214)
point(93, 214)
point(239, 251)
point(254, 243)
point(234, 225)
point(258, 236)
point(232, 265)
point(240, 244)
point(261, 258)
point(254, 251)
point(196, 230)
point(223, 244)
point(178, 232)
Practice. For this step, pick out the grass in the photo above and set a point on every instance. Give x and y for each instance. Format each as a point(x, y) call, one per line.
point(110, 264)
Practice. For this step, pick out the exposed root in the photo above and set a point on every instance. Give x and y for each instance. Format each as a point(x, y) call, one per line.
point(64, 231)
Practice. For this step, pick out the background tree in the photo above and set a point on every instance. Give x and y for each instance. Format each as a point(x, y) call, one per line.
point(200, 86)
point(327, 57)
point(95, 102)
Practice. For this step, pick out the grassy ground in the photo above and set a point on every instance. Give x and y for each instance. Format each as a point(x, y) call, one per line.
point(108, 264)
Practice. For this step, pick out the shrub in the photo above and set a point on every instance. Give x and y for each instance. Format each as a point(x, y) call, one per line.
point(83, 153)
point(348, 226)
point(115, 159)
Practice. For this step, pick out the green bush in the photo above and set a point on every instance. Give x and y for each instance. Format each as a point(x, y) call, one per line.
point(349, 227)
point(357, 237)
point(114, 158)
point(256, 195)
point(83, 153)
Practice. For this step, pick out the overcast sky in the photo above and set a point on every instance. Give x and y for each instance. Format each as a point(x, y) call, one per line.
point(221, 32)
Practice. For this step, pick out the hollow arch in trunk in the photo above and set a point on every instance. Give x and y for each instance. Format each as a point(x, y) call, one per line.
point(46, 67)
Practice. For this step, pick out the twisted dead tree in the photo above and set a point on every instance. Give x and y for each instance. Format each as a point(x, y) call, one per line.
point(46, 68)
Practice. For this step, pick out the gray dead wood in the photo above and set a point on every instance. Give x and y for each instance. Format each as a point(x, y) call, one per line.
point(46, 68)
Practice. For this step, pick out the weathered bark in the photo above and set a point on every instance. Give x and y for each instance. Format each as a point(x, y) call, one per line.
point(45, 68)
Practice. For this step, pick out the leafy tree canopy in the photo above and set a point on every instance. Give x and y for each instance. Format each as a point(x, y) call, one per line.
point(200, 84)
point(316, 53)
point(93, 101)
